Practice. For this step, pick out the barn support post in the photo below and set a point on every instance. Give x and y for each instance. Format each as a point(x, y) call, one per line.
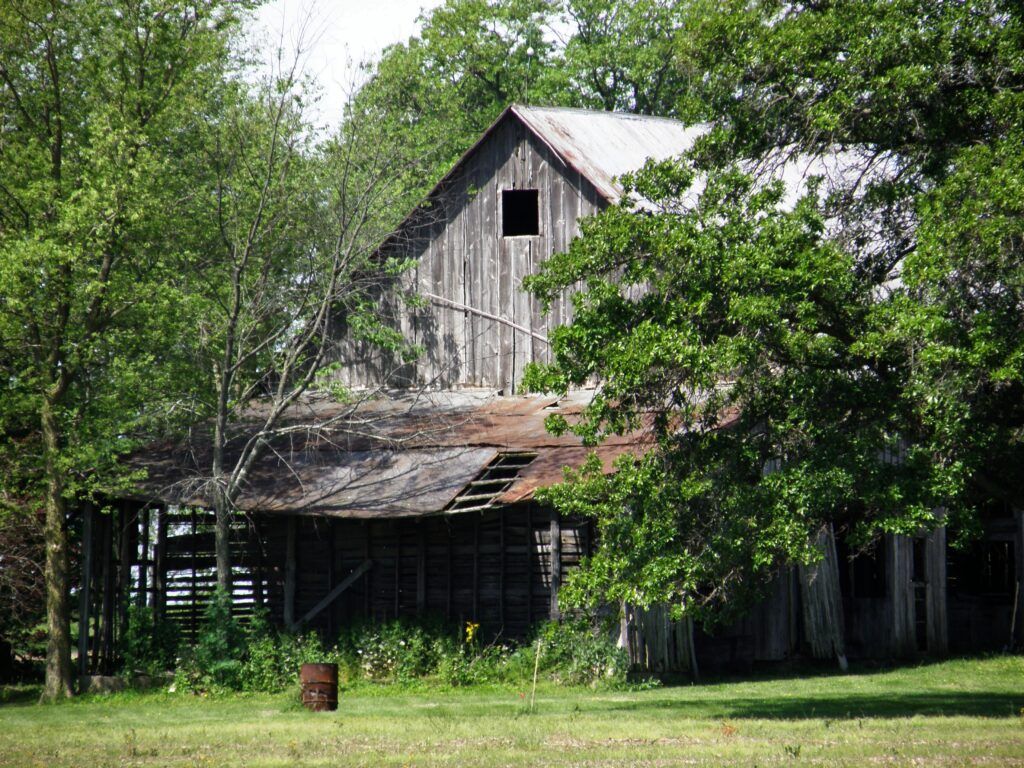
point(106, 645)
point(125, 551)
point(289, 571)
point(142, 598)
point(159, 566)
point(83, 593)
point(555, 553)
point(822, 602)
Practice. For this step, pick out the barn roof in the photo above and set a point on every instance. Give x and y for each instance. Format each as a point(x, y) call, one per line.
point(604, 145)
point(408, 454)
point(601, 146)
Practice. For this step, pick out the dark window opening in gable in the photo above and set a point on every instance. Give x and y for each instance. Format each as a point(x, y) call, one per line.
point(520, 212)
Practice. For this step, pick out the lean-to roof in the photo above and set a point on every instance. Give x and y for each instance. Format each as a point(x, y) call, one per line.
point(407, 454)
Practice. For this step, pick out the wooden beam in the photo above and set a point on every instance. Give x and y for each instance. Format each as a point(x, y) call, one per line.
point(555, 557)
point(331, 596)
point(289, 571)
point(83, 593)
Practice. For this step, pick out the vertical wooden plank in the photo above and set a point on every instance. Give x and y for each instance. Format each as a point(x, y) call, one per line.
point(822, 603)
point(1017, 640)
point(83, 594)
point(368, 581)
point(421, 570)
point(938, 625)
point(448, 575)
point(331, 576)
point(398, 567)
point(900, 555)
point(476, 565)
point(290, 571)
point(555, 551)
point(529, 564)
point(502, 513)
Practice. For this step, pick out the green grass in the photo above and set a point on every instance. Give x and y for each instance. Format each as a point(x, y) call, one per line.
point(964, 712)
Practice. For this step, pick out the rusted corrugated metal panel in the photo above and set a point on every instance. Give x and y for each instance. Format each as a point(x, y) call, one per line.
point(408, 455)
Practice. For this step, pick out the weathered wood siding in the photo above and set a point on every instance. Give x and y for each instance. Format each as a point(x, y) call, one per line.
point(463, 258)
point(493, 567)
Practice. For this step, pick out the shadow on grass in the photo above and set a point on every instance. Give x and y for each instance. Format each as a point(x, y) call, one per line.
point(19, 694)
point(839, 707)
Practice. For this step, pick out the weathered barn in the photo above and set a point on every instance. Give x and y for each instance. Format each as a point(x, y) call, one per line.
point(420, 500)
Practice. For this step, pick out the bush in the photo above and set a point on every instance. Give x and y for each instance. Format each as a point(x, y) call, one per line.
point(273, 660)
point(397, 651)
point(260, 659)
point(147, 648)
point(215, 662)
point(575, 652)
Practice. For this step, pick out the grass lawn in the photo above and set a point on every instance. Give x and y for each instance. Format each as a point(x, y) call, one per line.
point(965, 712)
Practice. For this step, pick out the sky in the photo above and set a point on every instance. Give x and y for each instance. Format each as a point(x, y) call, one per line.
point(337, 35)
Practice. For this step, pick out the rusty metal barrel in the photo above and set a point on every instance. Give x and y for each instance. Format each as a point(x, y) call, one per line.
point(319, 687)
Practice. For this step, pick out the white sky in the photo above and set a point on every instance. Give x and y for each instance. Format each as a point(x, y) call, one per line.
point(336, 35)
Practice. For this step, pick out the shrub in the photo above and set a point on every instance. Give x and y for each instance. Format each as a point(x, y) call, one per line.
point(273, 660)
point(397, 651)
point(575, 652)
point(147, 647)
point(215, 662)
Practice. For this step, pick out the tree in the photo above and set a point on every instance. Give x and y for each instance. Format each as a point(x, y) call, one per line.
point(851, 359)
point(620, 57)
point(284, 236)
point(94, 99)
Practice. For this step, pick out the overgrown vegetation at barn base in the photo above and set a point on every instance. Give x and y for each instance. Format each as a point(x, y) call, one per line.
point(258, 658)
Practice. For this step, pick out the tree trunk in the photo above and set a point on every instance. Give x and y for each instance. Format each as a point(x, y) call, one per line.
point(222, 542)
point(58, 606)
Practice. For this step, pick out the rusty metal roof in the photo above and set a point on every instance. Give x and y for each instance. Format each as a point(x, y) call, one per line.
point(604, 145)
point(407, 454)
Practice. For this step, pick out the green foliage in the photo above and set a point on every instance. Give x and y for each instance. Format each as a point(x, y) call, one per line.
point(576, 652)
point(147, 647)
point(215, 662)
point(850, 357)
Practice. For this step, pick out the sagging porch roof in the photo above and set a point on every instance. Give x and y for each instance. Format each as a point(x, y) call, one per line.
point(401, 454)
